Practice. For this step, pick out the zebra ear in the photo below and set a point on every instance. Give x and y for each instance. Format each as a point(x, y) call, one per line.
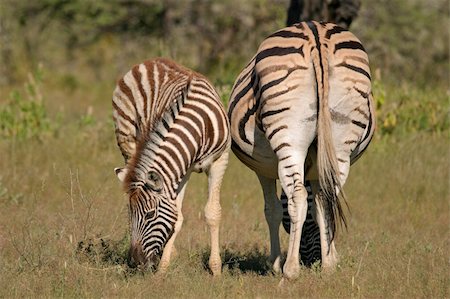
point(154, 181)
point(121, 173)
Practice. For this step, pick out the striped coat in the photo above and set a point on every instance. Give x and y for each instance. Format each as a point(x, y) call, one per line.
point(169, 122)
point(302, 110)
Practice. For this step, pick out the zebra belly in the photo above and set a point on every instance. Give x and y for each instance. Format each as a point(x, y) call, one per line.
point(259, 157)
point(266, 163)
point(203, 164)
point(256, 154)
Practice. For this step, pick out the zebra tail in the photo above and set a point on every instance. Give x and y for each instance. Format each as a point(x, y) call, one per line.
point(326, 156)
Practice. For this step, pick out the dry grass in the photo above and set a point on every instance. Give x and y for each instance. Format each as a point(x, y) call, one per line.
point(60, 192)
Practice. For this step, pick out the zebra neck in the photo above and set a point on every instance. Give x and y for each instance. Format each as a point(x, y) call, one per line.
point(160, 153)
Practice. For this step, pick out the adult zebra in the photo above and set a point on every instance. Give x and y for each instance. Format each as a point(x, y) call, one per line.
point(301, 111)
point(169, 121)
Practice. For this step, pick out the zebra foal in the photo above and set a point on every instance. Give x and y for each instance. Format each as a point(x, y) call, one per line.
point(169, 121)
point(301, 111)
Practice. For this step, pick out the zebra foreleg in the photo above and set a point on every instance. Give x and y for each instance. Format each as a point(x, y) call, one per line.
point(213, 210)
point(170, 248)
point(274, 213)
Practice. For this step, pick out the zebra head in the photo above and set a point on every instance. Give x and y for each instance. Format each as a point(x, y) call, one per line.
point(152, 216)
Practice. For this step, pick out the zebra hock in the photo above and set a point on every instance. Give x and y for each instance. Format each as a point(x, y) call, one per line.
point(302, 112)
point(169, 122)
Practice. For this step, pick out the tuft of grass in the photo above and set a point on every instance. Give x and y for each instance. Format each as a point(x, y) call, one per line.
point(103, 251)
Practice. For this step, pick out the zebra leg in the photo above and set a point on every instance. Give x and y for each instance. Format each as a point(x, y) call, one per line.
point(291, 149)
point(310, 242)
point(329, 254)
point(310, 251)
point(297, 208)
point(292, 183)
point(170, 248)
point(274, 213)
point(213, 210)
point(328, 250)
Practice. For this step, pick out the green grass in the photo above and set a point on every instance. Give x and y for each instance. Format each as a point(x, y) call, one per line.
point(64, 224)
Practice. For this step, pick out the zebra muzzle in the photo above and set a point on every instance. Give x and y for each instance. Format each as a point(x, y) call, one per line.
point(138, 259)
point(136, 256)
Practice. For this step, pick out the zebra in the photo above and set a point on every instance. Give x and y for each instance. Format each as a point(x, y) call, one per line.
point(310, 241)
point(169, 122)
point(302, 111)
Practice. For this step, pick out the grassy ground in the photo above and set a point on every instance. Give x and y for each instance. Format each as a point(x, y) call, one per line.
point(64, 218)
point(63, 229)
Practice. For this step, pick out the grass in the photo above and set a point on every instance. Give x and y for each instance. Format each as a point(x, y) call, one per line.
point(64, 225)
point(64, 218)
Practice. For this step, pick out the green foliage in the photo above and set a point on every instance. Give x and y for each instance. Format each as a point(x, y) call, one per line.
point(408, 40)
point(88, 19)
point(408, 109)
point(205, 35)
point(87, 119)
point(24, 114)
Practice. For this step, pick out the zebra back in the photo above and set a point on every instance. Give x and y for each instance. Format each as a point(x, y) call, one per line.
point(169, 118)
point(141, 96)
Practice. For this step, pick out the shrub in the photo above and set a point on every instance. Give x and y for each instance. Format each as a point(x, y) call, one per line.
point(24, 115)
point(409, 109)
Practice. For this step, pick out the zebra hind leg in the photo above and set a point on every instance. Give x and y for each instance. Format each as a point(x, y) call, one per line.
point(213, 210)
point(297, 208)
point(273, 213)
point(328, 250)
point(310, 250)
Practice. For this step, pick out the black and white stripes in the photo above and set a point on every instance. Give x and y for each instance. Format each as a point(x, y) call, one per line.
point(169, 122)
point(301, 111)
point(310, 242)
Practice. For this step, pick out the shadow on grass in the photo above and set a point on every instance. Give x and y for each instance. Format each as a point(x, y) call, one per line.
point(251, 261)
point(104, 253)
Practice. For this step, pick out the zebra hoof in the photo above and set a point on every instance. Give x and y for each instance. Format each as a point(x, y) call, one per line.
point(216, 272)
point(330, 261)
point(275, 265)
point(215, 267)
point(291, 272)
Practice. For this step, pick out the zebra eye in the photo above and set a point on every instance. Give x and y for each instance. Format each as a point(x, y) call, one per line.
point(150, 215)
point(154, 181)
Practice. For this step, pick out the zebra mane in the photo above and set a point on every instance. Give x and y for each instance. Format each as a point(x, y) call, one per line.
point(162, 124)
point(151, 140)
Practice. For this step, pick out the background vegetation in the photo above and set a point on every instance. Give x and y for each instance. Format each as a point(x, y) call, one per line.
point(63, 230)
